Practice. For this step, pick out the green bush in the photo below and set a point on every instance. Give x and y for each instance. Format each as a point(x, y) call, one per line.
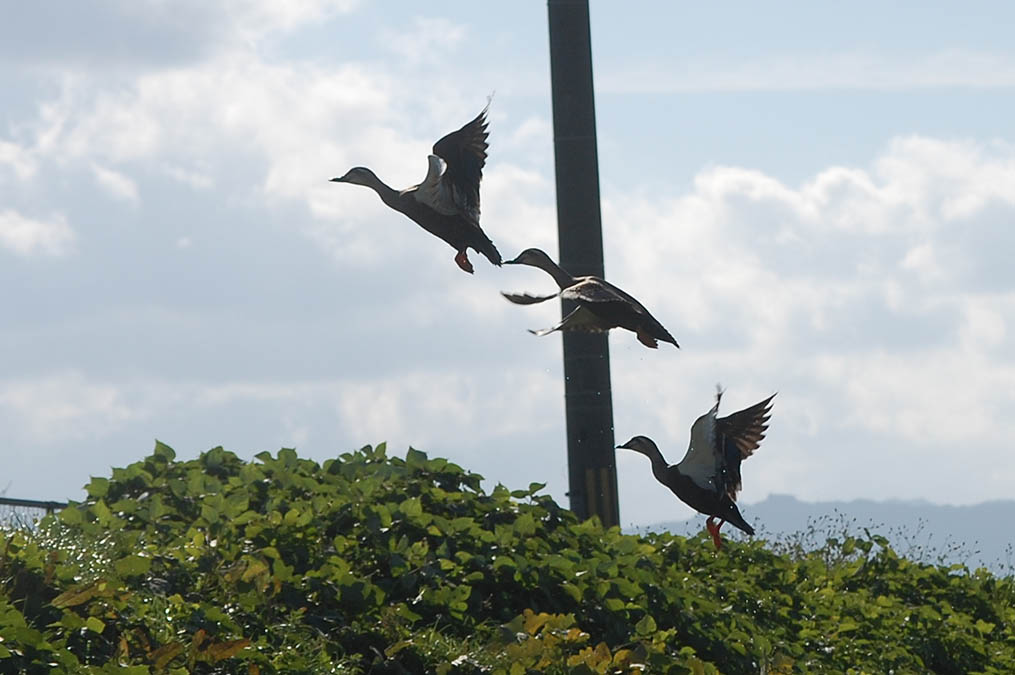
point(388, 565)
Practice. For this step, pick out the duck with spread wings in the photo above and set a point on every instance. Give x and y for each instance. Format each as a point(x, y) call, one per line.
point(708, 478)
point(601, 305)
point(446, 203)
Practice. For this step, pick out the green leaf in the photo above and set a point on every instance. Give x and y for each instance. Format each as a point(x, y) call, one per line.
point(98, 487)
point(646, 626)
point(163, 451)
point(614, 604)
point(71, 620)
point(411, 507)
point(102, 512)
point(236, 504)
point(255, 568)
point(415, 459)
point(75, 596)
point(71, 515)
point(525, 525)
point(846, 625)
point(166, 653)
point(132, 565)
point(983, 626)
point(220, 651)
point(572, 591)
point(95, 624)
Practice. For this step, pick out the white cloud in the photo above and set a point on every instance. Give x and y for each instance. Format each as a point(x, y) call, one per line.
point(258, 17)
point(425, 407)
point(28, 237)
point(18, 158)
point(65, 406)
point(948, 180)
point(115, 184)
point(922, 259)
point(128, 35)
point(933, 402)
point(427, 41)
point(298, 124)
point(197, 179)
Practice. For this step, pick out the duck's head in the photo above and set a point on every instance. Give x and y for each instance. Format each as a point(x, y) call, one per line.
point(358, 175)
point(642, 444)
point(532, 256)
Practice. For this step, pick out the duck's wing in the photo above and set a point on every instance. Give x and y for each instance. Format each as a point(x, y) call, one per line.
point(580, 319)
point(738, 436)
point(464, 156)
point(526, 299)
point(702, 463)
point(594, 291)
point(746, 428)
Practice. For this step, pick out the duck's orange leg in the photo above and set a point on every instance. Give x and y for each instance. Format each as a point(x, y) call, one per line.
point(713, 529)
point(463, 261)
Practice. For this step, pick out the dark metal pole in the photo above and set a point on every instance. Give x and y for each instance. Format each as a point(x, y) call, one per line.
point(592, 471)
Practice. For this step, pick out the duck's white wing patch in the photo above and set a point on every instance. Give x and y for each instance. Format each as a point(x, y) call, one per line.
point(433, 191)
point(591, 291)
point(701, 463)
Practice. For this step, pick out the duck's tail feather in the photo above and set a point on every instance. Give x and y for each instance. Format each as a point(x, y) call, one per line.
point(484, 245)
point(731, 514)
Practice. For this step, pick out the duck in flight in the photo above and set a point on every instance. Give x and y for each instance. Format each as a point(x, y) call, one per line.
point(446, 203)
point(601, 305)
point(708, 478)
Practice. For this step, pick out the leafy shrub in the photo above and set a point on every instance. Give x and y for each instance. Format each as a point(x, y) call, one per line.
point(388, 565)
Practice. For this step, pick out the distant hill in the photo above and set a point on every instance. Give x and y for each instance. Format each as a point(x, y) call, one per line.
point(977, 535)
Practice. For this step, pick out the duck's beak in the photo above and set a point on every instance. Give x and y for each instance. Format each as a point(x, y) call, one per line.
point(513, 261)
point(340, 179)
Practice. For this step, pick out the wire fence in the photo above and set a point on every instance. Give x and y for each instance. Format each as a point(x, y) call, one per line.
point(25, 512)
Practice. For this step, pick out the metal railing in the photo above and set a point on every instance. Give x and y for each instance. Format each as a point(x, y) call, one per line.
point(25, 512)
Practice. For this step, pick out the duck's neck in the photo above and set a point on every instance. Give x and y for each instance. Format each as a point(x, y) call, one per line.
point(388, 194)
point(562, 278)
point(660, 469)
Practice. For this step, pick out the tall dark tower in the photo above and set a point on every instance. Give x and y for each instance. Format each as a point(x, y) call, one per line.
point(592, 470)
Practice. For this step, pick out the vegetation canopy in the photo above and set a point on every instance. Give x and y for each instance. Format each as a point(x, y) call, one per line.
point(371, 563)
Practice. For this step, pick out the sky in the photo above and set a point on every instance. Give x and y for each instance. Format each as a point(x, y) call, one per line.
point(818, 201)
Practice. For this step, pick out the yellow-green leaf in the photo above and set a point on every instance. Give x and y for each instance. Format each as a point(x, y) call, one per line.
point(220, 651)
point(166, 653)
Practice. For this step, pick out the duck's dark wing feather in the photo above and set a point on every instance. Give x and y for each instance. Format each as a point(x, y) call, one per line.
point(738, 436)
point(526, 299)
point(746, 428)
point(464, 153)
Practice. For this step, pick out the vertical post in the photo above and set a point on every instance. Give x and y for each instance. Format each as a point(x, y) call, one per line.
point(592, 471)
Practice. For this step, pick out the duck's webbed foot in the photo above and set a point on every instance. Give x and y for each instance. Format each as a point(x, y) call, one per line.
point(463, 261)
